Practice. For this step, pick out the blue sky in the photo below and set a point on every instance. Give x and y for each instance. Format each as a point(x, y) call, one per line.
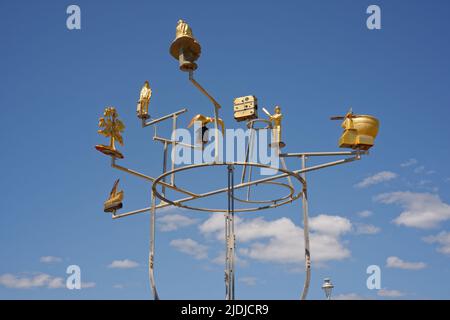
point(313, 58)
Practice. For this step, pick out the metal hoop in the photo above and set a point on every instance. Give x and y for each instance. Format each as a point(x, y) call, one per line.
point(274, 204)
point(252, 122)
point(291, 193)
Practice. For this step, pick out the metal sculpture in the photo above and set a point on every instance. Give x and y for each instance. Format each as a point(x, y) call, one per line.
point(359, 134)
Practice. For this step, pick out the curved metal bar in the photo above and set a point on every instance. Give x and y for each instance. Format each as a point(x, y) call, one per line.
point(242, 185)
point(250, 124)
point(141, 175)
point(178, 203)
point(290, 195)
point(151, 258)
point(306, 235)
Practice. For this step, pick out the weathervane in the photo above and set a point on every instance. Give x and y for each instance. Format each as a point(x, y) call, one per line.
point(359, 134)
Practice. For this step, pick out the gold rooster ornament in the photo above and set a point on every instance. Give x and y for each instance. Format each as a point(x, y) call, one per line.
point(144, 100)
point(111, 127)
point(114, 201)
point(202, 133)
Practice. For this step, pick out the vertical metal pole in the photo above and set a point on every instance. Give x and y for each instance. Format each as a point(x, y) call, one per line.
point(227, 237)
point(151, 258)
point(250, 156)
point(306, 234)
point(230, 238)
point(174, 148)
point(232, 235)
point(216, 142)
point(247, 153)
point(164, 167)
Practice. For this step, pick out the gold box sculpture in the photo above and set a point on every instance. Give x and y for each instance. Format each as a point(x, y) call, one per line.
point(360, 131)
point(245, 108)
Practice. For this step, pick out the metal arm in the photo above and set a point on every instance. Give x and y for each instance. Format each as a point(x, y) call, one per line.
point(238, 186)
point(155, 121)
point(216, 112)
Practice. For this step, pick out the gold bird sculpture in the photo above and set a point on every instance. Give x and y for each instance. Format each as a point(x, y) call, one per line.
point(201, 133)
point(205, 120)
point(114, 201)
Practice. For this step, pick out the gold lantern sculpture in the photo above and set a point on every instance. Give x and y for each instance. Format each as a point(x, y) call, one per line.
point(185, 47)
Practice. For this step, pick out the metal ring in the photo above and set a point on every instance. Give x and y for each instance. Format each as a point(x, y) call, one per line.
point(252, 122)
point(291, 193)
point(189, 167)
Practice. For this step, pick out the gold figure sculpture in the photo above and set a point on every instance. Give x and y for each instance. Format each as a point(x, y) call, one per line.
point(276, 127)
point(185, 47)
point(115, 199)
point(360, 131)
point(202, 133)
point(144, 100)
point(111, 127)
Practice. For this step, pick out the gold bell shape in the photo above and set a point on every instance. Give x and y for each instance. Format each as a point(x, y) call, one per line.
point(185, 47)
point(360, 132)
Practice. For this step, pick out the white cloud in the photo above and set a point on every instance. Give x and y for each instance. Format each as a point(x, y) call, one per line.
point(248, 281)
point(409, 163)
point(443, 239)
point(172, 222)
point(123, 264)
point(50, 259)
point(215, 225)
point(421, 210)
point(390, 293)
point(396, 262)
point(332, 225)
point(281, 240)
point(377, 178)
point(118, 286)
point(348, 296)
point(362, 228)
point(190, 247)
point(364, 213)
point(35, 281)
